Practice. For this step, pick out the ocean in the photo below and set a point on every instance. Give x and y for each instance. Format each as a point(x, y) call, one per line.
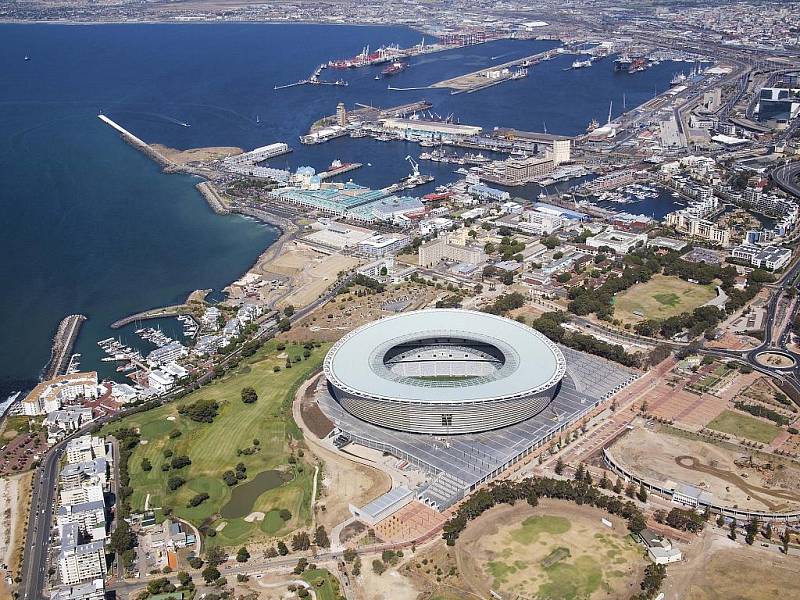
point(92, 226)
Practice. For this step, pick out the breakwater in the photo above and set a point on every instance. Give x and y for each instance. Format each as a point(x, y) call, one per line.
point(63, 341)
point(213, 198)
point(139, 144)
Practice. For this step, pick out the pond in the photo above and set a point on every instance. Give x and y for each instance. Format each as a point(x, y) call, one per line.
point(245, 494)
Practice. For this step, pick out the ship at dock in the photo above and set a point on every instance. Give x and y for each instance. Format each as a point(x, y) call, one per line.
point(394, 68)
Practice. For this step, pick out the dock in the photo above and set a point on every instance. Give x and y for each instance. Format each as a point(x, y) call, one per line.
point(63, 341)
point(138, 143)
point(478, 80)
point(339, 170)
point(312, 79)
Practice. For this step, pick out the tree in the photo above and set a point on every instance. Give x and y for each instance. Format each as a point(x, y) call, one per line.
point(768, 531)
point(242, 555)
point(285, 515)
point(282, 549)
point(378, 567)
point(617, 486)
point(301, 541)
point(642, 494)
point(174, 482)
point(146, 465)
point(321, 538)
point(357, 566)
point(249, 395)
point(721, 520)
point(733, 530)
point(289, 310)
point(349, 555)
point(210, 574)
point(197, 499)
point(630, 490)
point(605, 483)
point(580, 472)
point(216, 556)
point(559, 468)
point(184, 578)
point(785, 541)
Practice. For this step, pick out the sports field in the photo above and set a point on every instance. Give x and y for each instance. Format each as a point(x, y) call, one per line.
point(744, 426)
point(258, 435)
point(660, 298)
point(557, 550)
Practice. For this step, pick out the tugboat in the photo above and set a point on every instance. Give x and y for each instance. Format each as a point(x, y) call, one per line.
point(394, 68)
point(27, 58)
point(592, 126)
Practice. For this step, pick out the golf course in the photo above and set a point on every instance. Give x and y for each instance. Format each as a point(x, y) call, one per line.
point(246, 458)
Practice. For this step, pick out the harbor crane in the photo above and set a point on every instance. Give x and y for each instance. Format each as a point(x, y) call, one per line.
point(414, 166)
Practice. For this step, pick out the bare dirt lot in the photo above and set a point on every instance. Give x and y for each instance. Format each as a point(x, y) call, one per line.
point(344, 481)
point(719, 569)
point(196, 155)
point(348, 311)
point(661, 456)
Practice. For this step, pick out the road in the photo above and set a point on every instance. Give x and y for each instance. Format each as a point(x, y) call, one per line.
point(43, 495)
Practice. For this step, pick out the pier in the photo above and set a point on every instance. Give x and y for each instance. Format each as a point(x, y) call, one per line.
point(312, 79)
point(138, 143)
point(63, 341)
point(196, 297)
point(478, 80)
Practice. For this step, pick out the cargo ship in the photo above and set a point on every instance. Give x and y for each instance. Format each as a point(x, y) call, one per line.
point(394, 69)
point(638, 65)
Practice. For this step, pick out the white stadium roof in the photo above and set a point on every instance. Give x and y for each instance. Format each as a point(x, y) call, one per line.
point(532, 363)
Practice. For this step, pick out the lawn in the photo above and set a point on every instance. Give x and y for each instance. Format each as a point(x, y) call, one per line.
point(323, 583)
point(660, 298)
point(744, 426)
point(216, 447)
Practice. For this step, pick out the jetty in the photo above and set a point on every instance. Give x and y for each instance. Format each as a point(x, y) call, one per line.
point(138, 143)
point(63, 341)
point(313, 79)
point(196, 298)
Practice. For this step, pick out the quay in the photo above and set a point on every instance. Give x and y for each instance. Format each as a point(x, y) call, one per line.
point(195, 298)
point(344, 168)
point(478, 80)
point(63, 341)
point(138, 143)
point(313, 79)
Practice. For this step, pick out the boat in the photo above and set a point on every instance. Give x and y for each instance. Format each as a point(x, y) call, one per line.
point(581, 64)
point(638, 65)
point(677, 79)
point(27, 58)
point(592, 126)
point(519, 74)
point(394, 69)
point(525, 64)
point(377, 77)
point(622, 63)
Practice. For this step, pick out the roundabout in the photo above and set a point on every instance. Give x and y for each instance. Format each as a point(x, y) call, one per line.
point(776, 359)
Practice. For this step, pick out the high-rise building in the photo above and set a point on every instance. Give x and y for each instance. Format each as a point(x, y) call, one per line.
point(341, 115)
point(80, 562)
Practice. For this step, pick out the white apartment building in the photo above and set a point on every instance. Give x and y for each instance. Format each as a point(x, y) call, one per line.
point(433, 252)
point(85, 448)
point(90, 517)
point(90, 490)
point(53, 394)
point(699, 227)
point(620, 242)
point(80, 562)
point(768, 257)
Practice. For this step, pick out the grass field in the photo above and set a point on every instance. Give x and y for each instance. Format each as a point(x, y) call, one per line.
point(555, 551)
point(323, 583)
point(212, 448)
point(744, 426)
point(660, 298)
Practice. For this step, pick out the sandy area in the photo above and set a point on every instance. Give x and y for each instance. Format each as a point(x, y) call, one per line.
point(14, 491)
point(196, 155)
point(344, 481)
point(255, 516)
point(716, 568)
point(348, 311)
point(663, 457)
point(389, 586)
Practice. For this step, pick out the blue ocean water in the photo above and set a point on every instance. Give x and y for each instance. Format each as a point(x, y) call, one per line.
point(92, 226)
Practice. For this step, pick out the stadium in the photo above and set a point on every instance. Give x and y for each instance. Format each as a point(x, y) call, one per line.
point(444, 372)
point(459, 394)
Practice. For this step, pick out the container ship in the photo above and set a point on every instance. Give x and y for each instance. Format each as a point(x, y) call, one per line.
point(394, 69)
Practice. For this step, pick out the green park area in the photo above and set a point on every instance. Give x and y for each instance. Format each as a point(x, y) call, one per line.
point(245, 477)
point(660, 298)
point(744, 426)
point(324, 584)
point(567, 556)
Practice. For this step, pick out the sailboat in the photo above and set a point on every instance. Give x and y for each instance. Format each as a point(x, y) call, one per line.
point(258, 120)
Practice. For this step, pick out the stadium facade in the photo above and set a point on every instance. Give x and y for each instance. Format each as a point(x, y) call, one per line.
point(444, 372)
